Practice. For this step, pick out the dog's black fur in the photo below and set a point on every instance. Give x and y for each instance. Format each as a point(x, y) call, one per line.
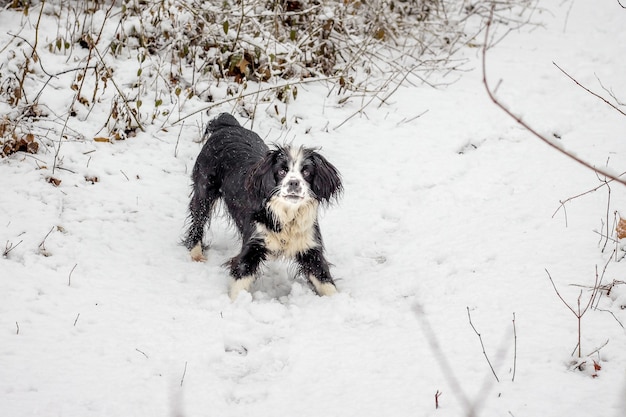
point(272, 196)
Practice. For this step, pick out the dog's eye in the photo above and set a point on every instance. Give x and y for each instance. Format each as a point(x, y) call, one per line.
point(306, 172)
point(281, 173)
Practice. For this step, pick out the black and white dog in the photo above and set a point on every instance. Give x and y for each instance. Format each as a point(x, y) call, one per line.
point(272, 196)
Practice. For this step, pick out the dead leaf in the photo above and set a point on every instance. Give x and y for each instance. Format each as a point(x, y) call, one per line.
point(54, 181)
point(380, 34)
point(243, 65)
point(621, 228)
point(596, 366)
point(101, 139)
point(32, 147)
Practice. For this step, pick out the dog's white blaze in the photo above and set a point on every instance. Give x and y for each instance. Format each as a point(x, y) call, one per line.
point(297, 234)
point(323, 288)
point(295, 166)
point(196, 253)
point(238, 285)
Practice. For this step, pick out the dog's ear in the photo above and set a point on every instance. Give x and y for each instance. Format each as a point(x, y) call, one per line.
point(326, 182)
point(260, 180)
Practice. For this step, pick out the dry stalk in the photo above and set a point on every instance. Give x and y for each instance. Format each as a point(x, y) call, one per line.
point(9, 246)
point(42, 245)
point(514, 349)
point(482, 345)
point(580, 311)
point(182, 379)
point(69, 278)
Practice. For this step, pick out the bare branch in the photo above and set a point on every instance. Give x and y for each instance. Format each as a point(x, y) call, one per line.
point(525, 125)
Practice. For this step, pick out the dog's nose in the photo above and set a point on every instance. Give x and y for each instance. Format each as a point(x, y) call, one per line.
point(293, 184)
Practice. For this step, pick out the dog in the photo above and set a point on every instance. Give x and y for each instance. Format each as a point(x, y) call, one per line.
point(271, 195)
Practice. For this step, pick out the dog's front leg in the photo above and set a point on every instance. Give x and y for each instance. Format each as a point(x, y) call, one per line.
point(244, 267)
point(315, 268)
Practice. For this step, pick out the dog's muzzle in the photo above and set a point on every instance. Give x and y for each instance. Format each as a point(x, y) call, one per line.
point(292, 189)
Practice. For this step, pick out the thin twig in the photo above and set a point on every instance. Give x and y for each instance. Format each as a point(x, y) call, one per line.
point(610, 92)
point(178, 140)
point(598, 349)
point(581, 312)
point(9, 247)
point(598, 284)
point(481, 344)
point(567, 200)
point(588, 90)
point(119, 91)
point(42, 245)
point(272, 88)
point(558, 293)
point(184, 373)
point(514, 349)
point(69, 278)
point(614, 316)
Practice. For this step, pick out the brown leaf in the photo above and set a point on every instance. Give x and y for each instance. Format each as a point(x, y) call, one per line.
point(32, 147)
point(621, 228)
point(380, 34)
point(243, 65)
point(54, 181)
point(596, 366)
point(101, 139)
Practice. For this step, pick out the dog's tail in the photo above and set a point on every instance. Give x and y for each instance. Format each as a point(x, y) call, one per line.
point(221, 121)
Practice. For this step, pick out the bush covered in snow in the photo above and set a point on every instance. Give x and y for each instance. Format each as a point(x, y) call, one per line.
point(143, 60)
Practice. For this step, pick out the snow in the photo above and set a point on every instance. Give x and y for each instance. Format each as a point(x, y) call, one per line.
point(451, 213)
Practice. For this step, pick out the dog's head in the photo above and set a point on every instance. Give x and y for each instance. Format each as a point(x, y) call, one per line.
point(295, 175)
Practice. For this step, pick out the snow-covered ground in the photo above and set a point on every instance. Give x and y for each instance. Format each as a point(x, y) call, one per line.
point(446, 216)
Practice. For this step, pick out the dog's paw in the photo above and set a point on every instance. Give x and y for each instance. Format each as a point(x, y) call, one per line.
point(239, 285)
point(196, 253)
point(323, 288)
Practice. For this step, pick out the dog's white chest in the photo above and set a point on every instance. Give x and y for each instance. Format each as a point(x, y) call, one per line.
point(290, 241)
point(297, 234)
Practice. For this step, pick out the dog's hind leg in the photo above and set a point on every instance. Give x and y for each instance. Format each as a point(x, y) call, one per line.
point(200, 210)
